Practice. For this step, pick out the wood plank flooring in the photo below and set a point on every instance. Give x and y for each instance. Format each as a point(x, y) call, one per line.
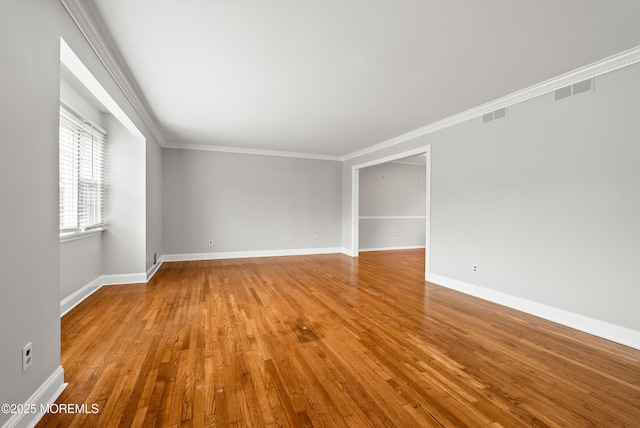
point(331, 341)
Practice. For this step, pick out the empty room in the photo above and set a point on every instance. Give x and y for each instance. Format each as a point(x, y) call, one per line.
point(337, 213)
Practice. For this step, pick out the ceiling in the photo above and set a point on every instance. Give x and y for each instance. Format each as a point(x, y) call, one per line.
point(333, 77)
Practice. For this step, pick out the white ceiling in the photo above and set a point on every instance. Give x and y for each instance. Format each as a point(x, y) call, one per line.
point(333, 77)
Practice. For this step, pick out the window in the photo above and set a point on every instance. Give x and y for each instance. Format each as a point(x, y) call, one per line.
point(81, 174)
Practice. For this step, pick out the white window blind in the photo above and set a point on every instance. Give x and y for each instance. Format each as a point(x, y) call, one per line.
point(81, 173)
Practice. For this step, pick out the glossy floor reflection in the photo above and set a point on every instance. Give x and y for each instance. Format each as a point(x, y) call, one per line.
point(329, 340)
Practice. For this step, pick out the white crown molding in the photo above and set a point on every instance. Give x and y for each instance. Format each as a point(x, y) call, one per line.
point(82, 18)
point(607, 65)
point(226, 149)
point(78, 12)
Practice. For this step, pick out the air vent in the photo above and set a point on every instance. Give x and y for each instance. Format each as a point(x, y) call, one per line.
point(575, 89)
point(563, 93)
point(584, 86)
point(499, 114)
point(494, 115)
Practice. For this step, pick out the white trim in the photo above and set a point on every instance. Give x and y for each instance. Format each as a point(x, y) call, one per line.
point(427, 227)
point(69, 58)
point(348, 252)
point(245, 151)
point(82, 18)
point(355, 211)
point(391, 217)
point(68, 237)
point(615, 333)
point(87, 290)
point(249, 254)
point(46, 394)
point(355, 197)
point(416, 247)
point(154, 268)
point(391, 158)
point(399, 162)
point(125, 278)
point(78, 296)
point(606, 65)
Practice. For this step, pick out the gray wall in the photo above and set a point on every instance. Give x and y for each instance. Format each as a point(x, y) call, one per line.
point(120, 249)
point(248, 202)
point(391, 192)
point(545, 201)
point(29, 243)
point(30, 32)
point(153, 208)
point(80, 263)
point(123, 241)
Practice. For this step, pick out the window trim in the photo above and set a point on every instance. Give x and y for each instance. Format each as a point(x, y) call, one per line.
point(84, 124)
point(72, 236)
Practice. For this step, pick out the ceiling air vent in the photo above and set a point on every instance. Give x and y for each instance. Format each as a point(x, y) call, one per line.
point(494, 115)
point(563, 93)
point(575, 89)
point(584, 86)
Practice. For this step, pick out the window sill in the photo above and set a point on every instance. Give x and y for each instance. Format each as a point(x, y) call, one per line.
point(80, 235)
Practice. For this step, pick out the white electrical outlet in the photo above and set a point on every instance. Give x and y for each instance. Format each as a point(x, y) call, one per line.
point(475, 268)
point(315, 239)
point(210, 241)
point(27, 358)
point(397, 235)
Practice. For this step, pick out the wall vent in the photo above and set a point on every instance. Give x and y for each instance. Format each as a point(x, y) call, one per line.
point(575, 89)
point(494, 115)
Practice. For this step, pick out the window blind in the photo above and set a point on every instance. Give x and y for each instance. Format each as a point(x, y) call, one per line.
point(81, 173)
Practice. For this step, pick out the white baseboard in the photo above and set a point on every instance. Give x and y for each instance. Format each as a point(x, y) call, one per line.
point(248, 254)
point(348, 252)
point(45, 395)
point(74, 299)
point(154, 268)
point(87, 290)
point(615, 333)
point(362, 250)
point(126, 278)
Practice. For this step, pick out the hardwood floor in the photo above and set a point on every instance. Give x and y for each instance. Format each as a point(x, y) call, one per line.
point(329, 340)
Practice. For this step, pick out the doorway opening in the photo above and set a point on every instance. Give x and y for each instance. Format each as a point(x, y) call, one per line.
point(356, 200)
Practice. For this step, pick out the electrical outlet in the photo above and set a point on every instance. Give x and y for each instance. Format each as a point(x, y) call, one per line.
point(397, 235)
point(210, 241)
point(475, 268)
point(27, 358)
point(315, 239)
